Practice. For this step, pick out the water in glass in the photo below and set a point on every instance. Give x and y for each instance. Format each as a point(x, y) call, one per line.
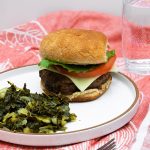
point(136, 35)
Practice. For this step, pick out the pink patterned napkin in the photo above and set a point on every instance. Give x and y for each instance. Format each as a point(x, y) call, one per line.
point(19, 46)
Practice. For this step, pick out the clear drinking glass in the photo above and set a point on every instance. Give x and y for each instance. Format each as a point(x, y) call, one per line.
point(136, 35)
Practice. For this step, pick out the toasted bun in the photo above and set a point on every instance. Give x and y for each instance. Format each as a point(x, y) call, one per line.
point(75, 46)
point(87, 95)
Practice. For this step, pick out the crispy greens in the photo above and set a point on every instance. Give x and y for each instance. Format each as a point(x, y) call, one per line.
point(23, 111)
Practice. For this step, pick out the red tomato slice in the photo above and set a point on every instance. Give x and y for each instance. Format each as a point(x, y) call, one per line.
point(102, 69)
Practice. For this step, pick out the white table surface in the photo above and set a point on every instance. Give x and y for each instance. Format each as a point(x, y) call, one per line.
point(14, 12)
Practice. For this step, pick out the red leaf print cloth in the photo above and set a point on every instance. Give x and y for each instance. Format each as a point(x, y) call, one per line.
point(19, 46)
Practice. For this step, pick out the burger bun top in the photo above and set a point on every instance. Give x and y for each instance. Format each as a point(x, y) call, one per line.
point(75, 46)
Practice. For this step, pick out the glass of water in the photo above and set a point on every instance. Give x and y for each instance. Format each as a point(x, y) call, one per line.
point(136, 35)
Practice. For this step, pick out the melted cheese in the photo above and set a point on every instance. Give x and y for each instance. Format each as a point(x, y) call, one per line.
point(83, 83)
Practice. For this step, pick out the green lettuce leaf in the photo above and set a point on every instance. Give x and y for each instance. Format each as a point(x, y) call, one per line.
point(110, 54)
point(45, 63)
point(75, 68)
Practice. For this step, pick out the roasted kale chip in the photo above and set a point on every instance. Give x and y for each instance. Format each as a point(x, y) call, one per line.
point(23, 111)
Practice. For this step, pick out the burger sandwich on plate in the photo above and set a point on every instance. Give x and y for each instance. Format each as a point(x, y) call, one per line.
point(76, 63)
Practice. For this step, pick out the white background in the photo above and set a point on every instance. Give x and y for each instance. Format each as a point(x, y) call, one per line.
point(13, 12)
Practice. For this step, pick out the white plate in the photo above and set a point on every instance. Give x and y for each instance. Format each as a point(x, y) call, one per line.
point(111, 111)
